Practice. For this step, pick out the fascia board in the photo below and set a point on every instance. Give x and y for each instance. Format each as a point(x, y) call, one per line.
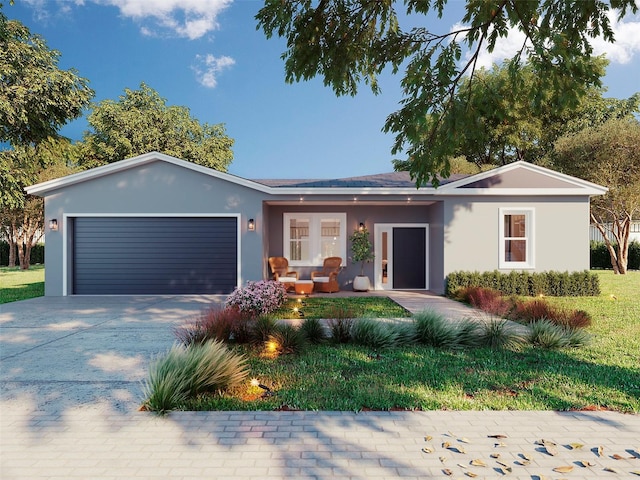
point(45, 187)
point(537, 192)
point(585, 187)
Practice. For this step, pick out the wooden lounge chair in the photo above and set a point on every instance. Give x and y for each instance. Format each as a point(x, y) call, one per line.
point(326, 280)
point(281, 273)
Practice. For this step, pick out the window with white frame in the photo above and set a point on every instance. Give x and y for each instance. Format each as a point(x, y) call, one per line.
point(309, 238)
point(516, 238)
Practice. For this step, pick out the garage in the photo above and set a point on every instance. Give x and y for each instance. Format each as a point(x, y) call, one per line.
point(154, 255)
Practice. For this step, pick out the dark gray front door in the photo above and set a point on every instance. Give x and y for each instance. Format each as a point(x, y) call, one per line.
point(154, 255)
point(409, 258)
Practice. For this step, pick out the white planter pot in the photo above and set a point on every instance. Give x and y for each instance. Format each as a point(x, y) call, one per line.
point(361, 284)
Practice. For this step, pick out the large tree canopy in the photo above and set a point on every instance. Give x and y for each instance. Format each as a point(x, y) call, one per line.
point(140, 122)
point(496, 124)
point(36, 97)
point(609, 155)
point(347, 42)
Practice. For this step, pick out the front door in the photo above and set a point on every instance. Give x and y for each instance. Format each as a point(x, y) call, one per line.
point(401, 256)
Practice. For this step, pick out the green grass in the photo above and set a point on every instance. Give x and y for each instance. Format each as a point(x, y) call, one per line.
point(357, 307)
point(603, 375)
point(21, 284)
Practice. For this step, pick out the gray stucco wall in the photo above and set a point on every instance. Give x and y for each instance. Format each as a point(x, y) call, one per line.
point(150, 189)
point(471, 234)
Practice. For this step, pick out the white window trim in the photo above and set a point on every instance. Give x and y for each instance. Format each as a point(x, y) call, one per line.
point(529, 214)
point(314, 236)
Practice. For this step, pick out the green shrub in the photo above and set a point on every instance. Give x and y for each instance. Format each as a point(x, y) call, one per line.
point(186, 372)
point(435, 330)
point(530, 284)
point(500, 334)
point(372, 333)
point(600, 258)
point(577, 337)
point(37, 254)
point(313, 330)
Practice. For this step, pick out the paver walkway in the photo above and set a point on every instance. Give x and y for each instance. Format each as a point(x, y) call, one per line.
point(70, 383)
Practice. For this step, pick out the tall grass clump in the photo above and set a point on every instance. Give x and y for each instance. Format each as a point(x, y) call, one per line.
point(262, 329)
point(313, 330)
point(469, 333)
point(497, 333)
point(488, 300)
point(374, 333)
point(215, 323)
point(546, 334)
point(287, 339)
point(433, 329)
point(340, 321)
point(186, 372)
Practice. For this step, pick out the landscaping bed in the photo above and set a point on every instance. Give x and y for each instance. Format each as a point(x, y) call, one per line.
point(363, 375)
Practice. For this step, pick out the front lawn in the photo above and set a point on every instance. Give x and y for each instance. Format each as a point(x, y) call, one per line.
point(21, 284)
point(328, 307)
point(602, 375)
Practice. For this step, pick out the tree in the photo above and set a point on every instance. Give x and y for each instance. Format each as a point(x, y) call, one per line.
point(36, 97)
point(350, 41)
point(607, 154)
point(140, 122)
point(503, 129)
point(22, 223)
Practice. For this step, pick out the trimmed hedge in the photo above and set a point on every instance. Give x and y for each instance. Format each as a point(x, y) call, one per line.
point(37, 254)
point(556, 284)
point(600, 256)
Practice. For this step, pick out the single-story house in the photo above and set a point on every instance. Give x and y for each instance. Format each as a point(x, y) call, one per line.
point(155, 224)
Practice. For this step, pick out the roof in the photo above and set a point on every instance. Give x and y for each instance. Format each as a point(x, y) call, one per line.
point(381, 180)
point(518, 178)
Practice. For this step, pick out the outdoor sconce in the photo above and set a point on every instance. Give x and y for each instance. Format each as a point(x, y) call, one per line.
point(53, 225)
point(361, 227)
point(251, 225)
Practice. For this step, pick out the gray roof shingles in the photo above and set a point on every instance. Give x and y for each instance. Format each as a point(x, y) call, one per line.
point(382, 180)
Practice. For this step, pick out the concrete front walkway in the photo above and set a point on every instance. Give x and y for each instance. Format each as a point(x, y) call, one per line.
point(70, 385)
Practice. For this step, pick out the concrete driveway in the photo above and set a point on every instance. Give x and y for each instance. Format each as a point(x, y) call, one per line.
point(61, 352)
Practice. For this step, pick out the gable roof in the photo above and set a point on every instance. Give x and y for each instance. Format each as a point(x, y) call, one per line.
point(522, 178)
point(519, 178)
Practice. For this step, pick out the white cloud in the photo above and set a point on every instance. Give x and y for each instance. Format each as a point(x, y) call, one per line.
point(627, 44)
point(208, 68)
point(186, 18)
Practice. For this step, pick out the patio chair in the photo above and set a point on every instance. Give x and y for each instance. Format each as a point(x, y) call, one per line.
point(326, 280)
point(281, 273)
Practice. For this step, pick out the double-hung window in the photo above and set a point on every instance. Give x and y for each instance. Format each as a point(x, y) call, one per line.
point(516, 238)
point(309, 238)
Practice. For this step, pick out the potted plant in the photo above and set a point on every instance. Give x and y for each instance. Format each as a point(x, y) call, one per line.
point(361, 251)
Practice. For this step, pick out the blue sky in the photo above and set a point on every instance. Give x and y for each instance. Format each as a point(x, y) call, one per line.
point(208, 56)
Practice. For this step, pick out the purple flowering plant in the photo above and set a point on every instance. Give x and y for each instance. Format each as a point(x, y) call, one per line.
point(258, 298)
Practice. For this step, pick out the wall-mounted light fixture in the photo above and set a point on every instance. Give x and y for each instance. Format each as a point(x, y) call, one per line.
point(251, 226)
point(53, 225)
point(361, 227)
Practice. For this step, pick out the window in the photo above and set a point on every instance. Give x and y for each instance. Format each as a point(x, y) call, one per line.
point(311, 237)
point(516, 238)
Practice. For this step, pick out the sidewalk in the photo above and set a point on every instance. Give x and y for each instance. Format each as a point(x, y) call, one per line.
point(92, 443)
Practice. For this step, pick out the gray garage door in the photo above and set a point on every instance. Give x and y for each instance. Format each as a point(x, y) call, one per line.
point(141, 255)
